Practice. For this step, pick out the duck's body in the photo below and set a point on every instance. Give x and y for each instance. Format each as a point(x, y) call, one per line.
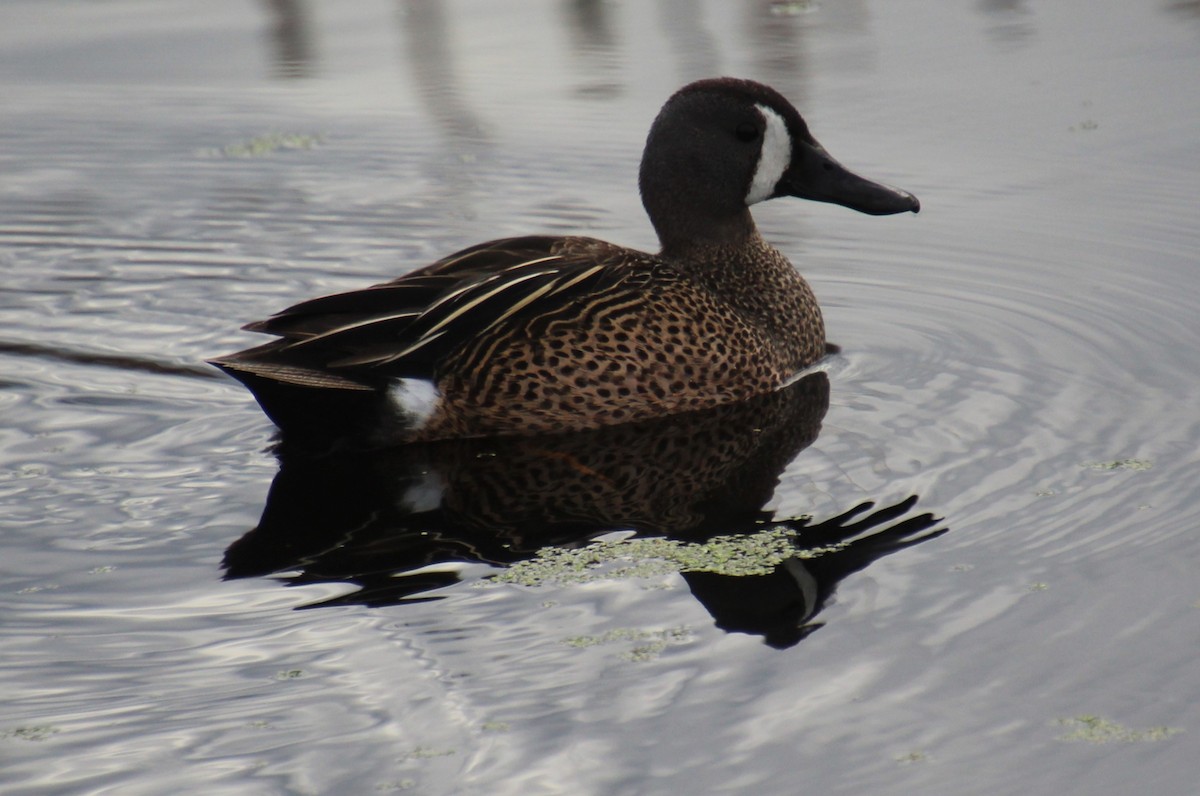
point(539, 334)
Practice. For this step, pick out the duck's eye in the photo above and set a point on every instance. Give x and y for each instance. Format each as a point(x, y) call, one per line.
point(746, 132)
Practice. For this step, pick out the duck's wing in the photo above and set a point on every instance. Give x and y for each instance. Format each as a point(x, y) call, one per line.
point(402, 328)
point(413, 291)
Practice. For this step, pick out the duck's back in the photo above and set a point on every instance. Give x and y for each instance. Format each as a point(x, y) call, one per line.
point(540, 333)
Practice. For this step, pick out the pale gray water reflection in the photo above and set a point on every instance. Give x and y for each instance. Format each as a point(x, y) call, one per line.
point(1012, 22)
point(291, 38)
point(1022, 355)
point(594, 47)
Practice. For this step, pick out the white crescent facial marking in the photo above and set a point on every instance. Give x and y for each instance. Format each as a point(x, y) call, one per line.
point(417, 399)
point(773, 160)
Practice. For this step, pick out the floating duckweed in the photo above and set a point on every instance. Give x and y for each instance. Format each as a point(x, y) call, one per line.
point(270, 142)
point(916, 756)
point(753, 554)
point(35, 589)
point(791, 8)
point(1095, 729)
point(1120, 464)
point(655, 641)
point(495, 726)
point(289, 674)
point(645, 652)
point(425, 753)
point(30, 733)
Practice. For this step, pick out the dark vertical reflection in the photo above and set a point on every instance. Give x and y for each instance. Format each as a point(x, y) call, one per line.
point(694, 48)
point(1185, 8)
point(774, 41)
point(1010, 22)
point(429, 53)
point(430, 57)
point(593, 46)
point(291, 38)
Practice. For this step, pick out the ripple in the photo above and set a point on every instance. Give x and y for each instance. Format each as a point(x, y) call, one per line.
point(1037, 316)
point(995, 391)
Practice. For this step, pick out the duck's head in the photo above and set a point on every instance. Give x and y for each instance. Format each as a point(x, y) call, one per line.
point(721, 145)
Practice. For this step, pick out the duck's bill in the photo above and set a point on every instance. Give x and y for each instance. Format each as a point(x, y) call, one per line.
point(814, 174)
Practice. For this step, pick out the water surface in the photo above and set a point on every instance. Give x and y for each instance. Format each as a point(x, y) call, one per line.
point(1022, 356)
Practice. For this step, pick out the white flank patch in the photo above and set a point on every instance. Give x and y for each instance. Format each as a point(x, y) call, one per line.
point(773, 160)
point(416, 398)
point(425, 494)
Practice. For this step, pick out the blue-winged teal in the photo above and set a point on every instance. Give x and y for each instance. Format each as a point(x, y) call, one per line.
point(538, 334)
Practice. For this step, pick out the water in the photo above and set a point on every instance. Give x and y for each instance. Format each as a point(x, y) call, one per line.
point(1022, 356)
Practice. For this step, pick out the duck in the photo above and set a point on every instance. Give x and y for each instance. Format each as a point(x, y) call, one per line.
point(544, 334)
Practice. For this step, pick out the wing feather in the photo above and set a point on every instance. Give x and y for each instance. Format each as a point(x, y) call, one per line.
point(403, 327)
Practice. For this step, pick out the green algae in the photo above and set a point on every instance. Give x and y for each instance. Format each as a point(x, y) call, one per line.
point(269, 143)
point(427, 753)
point(1096, 729)
point(791, 8)
point(648, 644)
point(621, 559)
point(915, 756)
point(38, 732)
point(1119, 464)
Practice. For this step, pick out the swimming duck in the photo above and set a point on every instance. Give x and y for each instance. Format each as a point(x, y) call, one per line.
point(542, 333)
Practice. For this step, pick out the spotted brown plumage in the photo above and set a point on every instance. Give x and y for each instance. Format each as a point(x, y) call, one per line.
point(544, 334)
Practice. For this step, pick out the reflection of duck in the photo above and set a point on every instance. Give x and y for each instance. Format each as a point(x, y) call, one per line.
point(545, 334)
point(380, 520)
point(779, 604)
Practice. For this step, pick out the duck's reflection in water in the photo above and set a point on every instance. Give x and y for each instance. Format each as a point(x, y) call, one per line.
point(380, 519)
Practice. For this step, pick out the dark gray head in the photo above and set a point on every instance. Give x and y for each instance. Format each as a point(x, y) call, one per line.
point(721, 145)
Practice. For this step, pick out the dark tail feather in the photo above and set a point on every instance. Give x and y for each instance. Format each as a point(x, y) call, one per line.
point(315, 413)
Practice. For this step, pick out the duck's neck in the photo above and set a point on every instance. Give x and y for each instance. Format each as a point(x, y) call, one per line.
point(753, 277)
point(682, 238)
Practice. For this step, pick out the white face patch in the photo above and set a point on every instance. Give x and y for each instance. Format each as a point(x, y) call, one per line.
point(417, 399)
point(773, 160)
